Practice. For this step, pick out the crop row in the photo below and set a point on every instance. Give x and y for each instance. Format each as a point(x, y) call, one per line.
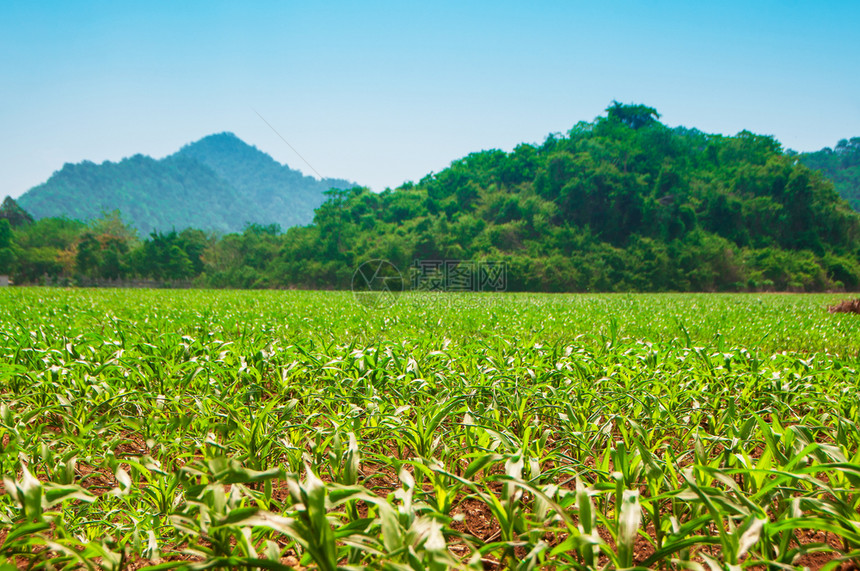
point(171, 431)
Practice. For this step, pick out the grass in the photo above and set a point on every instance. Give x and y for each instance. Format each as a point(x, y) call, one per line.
point(279, 430)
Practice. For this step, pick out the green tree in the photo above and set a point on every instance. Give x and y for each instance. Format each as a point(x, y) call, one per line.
point(5, 233)
point(178, 266)
point(8, 257)
point(634, 116)
point(8, 261)
point(89, 255)
point(16, 215)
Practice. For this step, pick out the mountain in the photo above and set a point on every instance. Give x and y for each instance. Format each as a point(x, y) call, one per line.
point(218, 183)
point(621, 203)
point(841, 165)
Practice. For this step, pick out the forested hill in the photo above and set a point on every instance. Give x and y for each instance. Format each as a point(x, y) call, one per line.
point(264, 186)
point(840, 164)
point(218, 183)
point(620, 203)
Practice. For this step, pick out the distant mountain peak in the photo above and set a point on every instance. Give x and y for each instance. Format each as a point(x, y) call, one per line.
point(218, 148)
point(218, 182)
point(223, 137)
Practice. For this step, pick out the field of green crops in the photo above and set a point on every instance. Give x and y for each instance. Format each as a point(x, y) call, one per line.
point(293, 430)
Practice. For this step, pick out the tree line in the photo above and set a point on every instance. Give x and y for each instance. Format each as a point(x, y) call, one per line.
point(622, 203)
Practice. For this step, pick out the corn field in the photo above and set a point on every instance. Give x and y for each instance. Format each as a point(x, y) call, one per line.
point(300, 430)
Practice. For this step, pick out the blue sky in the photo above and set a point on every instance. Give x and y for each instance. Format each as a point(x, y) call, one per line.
point(384, 92)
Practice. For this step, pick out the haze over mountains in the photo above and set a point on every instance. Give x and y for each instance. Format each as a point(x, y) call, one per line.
point(218, 183)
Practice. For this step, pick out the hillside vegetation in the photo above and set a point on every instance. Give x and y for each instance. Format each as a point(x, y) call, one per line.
point(840, 164)
point(623, 203)
point(218, 184)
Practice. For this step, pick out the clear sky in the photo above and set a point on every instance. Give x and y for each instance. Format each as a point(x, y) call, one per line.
point(384, 92)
